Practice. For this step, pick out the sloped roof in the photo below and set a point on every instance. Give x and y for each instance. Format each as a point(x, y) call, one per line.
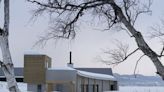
point(96, 75)
point(107, 71)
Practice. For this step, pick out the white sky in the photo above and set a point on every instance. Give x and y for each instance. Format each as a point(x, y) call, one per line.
point(87, 45)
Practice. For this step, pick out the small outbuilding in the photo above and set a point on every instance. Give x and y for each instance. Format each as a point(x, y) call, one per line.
point(41, 77)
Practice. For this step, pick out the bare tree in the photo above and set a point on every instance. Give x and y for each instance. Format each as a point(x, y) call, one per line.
point(6, 63)
point(122, 13)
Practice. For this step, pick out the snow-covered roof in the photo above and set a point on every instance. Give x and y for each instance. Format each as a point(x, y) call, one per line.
point(61, 68)
point(107, 71)
point(96, 75)
point(31, 52)
point(60, 74)
point(86, 73)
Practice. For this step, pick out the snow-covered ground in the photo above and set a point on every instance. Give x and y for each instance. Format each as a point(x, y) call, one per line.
point(140, 80)
point(3, 87)
point(23, 88)
point(141, 89)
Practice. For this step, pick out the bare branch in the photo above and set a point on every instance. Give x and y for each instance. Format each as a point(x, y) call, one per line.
point(144, 9)
point(157, 30)
point(162, 51)
point(70, 6)
point(127, 5)
point(70, 11)
point(158, 33)
point(137, 65)
point(65, 26)
point(161, 54)
point(118, 55)
point(132, 10)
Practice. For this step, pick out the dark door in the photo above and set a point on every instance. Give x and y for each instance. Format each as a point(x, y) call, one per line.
point(112, 87)
point(39, 88)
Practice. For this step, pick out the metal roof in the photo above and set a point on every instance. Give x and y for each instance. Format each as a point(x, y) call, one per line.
point(107, 71)
point(96, 75)
point(18, 71)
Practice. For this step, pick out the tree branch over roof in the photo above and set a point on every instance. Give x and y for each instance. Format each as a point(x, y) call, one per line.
point(115, 12)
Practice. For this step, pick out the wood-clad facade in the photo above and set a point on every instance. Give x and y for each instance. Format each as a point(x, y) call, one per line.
point(35, 67)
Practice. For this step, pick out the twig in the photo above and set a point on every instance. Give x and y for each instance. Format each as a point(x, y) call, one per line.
point(118, 57)
point(137, 65)
point(161, 54)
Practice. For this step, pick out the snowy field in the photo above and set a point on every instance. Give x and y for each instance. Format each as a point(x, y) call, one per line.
point(141, 89)
point(3, 87)
point(23, 87)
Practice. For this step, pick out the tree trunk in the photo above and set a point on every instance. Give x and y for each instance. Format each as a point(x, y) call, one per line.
point(6, 64)
point(143, 46)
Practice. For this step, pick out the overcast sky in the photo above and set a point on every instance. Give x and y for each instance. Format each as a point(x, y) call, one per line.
point(87, 45)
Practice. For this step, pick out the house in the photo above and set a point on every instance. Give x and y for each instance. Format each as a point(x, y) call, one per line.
point(41, 77)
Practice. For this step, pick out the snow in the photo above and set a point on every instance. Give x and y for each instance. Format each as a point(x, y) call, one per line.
point(86, 74)
point(32, 52)
point(61, 68)
point(96, 75)
point(140, 80)
point(141, 89)
point(23, 88)
point(4, 88)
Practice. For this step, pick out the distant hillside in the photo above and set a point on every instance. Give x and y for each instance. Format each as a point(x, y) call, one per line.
point(140, 80)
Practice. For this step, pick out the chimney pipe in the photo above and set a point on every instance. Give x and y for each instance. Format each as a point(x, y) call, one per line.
point(70, 57)
point(70, 64)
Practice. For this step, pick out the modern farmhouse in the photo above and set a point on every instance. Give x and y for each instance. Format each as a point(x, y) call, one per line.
point(41, 77)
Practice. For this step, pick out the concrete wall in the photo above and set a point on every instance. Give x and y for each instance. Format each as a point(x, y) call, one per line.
point(62, 80)
point(53, 76)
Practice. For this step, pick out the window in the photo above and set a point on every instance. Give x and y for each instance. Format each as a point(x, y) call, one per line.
point(96, 88)
point(46, 64)
point(89, 88)
point(84, 88)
